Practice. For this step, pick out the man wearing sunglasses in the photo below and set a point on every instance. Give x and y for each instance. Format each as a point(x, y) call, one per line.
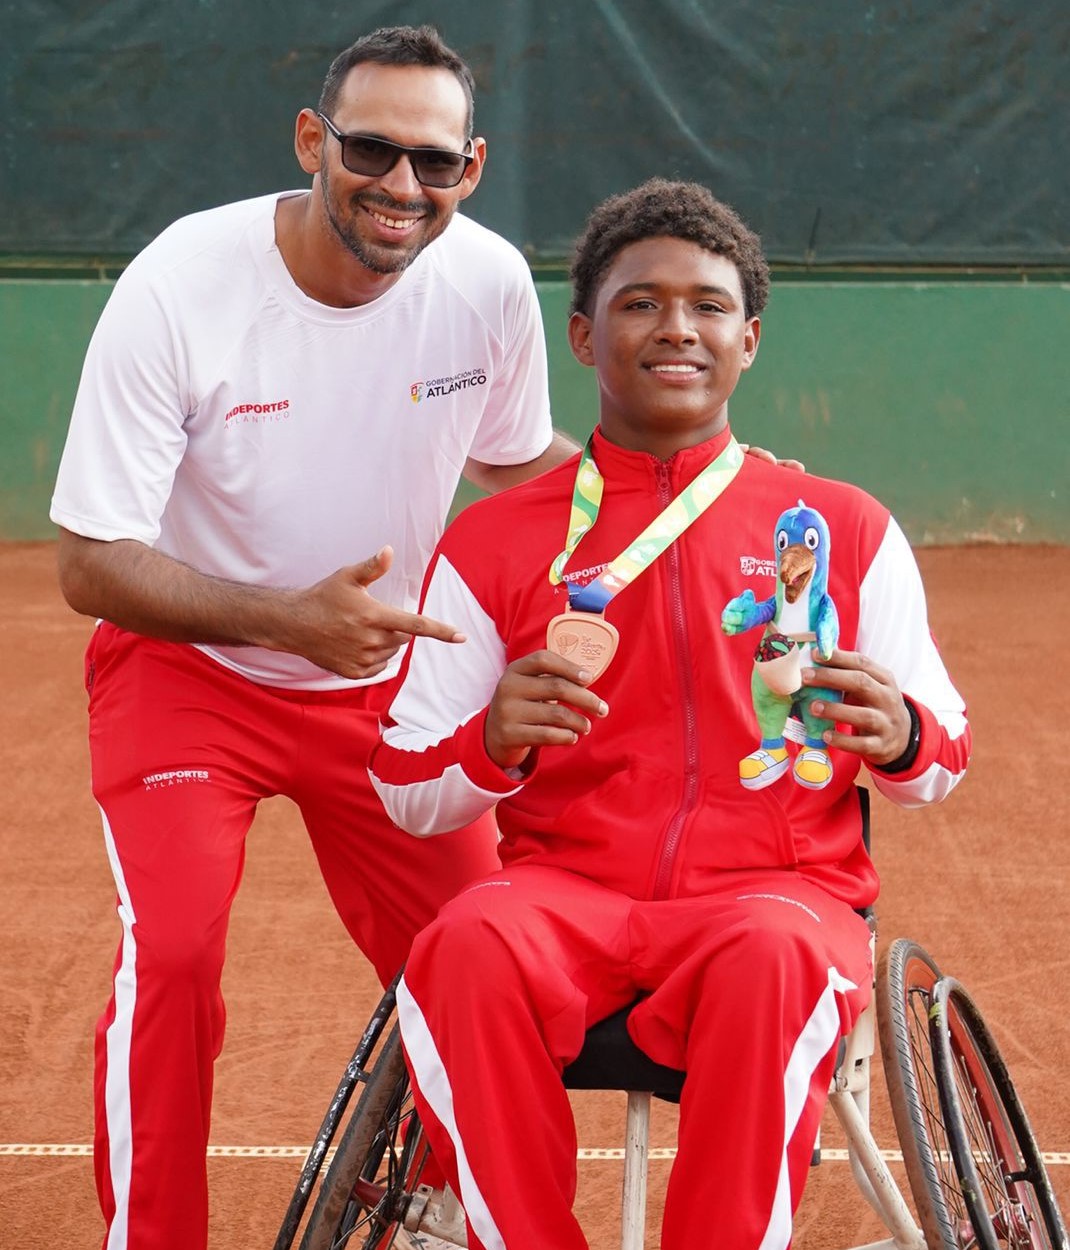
point(275, 410)
point(274, 413)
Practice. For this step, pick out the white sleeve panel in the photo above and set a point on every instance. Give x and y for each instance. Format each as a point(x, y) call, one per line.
point(447, 683)
point(516, 426)
point(893, 630)
point(418, 772)
point(127, 436)
point(439, 805)
point(934, 784)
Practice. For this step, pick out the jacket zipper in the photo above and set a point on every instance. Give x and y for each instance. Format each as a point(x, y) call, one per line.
point(671, 841)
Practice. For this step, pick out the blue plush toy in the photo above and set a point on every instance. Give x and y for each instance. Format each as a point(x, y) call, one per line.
point(800, 613)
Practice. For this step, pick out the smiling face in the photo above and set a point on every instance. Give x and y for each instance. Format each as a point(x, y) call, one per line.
point(386, 221)
point(668, 337)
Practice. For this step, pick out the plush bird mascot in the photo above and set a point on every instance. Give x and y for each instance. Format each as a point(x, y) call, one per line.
point(799, 614)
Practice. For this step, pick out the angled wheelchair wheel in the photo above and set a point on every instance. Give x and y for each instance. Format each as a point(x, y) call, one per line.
point(374, 1176)
point(357, 1073)
point(905, 981)
point(1004, 1183)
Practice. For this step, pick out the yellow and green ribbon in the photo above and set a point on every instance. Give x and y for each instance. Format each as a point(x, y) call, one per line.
point(664, 530)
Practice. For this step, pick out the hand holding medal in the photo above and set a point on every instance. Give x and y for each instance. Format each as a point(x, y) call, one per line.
point(541, 700)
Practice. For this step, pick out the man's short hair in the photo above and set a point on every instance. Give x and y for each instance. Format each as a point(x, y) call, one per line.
point(398, 45)
point(675, 210)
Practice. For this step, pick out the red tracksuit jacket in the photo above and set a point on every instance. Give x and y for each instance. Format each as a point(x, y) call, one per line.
point(649, 803)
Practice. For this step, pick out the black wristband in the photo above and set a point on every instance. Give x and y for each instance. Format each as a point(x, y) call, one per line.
point(901, 763)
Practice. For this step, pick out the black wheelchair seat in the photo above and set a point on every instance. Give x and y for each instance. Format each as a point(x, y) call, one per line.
point(611, 1060)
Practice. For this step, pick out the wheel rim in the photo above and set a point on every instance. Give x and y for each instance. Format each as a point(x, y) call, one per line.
point(999, 1183)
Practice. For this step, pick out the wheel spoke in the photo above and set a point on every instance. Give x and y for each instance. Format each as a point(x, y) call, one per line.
point(998, 1174)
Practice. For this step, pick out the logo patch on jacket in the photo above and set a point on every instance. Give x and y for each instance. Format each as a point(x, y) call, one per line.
point(751, 566)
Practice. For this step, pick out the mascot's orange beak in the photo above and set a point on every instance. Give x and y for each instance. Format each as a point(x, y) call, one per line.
point(796, 568)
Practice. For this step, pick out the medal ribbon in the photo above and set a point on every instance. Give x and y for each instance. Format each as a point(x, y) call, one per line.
point(664, 530)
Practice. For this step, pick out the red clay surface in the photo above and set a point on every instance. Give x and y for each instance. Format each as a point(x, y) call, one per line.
point(982, 881)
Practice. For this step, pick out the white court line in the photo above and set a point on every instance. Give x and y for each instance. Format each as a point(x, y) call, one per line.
point(73, 1150)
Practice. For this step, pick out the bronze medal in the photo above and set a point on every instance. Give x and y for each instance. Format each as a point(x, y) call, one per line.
point(585, 638)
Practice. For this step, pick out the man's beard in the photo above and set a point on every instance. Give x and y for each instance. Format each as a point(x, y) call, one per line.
point(381, 258)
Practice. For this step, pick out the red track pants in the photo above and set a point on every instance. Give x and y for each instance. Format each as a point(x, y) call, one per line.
point(749, 990)
point(182, 750)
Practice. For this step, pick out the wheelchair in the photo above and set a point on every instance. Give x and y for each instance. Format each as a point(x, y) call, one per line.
point(974, 1170)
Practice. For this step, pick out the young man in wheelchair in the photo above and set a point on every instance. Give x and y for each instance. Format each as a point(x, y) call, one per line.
point(654, 845)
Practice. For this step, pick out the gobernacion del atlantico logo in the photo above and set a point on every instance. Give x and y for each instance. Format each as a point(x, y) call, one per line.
point(433, 388)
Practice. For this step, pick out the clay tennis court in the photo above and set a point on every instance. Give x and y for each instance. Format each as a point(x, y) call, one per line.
point(983, 882)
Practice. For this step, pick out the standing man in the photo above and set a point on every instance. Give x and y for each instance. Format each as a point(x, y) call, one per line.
point(274, 413)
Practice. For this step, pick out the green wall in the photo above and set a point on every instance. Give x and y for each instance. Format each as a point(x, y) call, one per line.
point(44, 329)
point(948, 399)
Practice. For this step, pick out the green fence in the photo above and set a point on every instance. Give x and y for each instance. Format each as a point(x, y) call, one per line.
point(911, 134)
point(949, 400)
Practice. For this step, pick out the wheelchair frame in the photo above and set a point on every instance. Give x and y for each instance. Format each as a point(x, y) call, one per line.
point(975, 1172)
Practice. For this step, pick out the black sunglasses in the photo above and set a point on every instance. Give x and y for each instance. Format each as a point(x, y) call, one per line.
point(371, 158)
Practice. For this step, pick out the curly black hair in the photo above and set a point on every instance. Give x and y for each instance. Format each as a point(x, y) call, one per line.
point(662, 209)
point(398, 45)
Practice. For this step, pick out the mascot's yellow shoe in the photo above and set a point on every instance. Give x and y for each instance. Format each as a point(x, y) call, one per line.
point(813, 768)
point(761, 768)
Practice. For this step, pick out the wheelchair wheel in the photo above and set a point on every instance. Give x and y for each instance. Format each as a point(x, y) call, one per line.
point(377, 1166)
point(356, 1073)
point(905, 980)
point(1004, 1182)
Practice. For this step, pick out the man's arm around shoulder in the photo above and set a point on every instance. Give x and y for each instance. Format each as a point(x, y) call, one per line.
point(497, 477)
